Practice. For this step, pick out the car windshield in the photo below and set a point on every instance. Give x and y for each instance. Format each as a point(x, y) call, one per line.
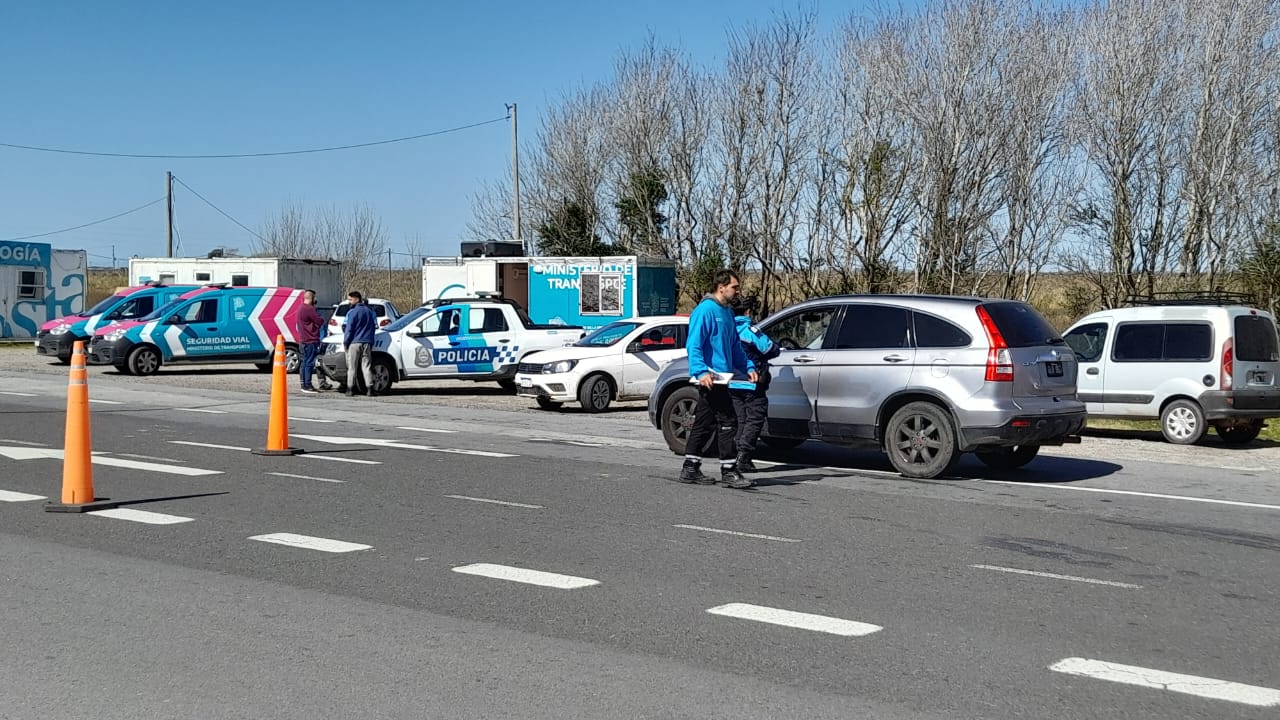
point(105, 305)
point(405, 320)
point(608, 335)
point(161, 311)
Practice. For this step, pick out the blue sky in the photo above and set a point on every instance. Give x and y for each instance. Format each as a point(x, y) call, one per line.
point(241, 77)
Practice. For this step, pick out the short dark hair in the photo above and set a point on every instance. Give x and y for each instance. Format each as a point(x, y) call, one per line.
point(722, 278)
point(356, 294)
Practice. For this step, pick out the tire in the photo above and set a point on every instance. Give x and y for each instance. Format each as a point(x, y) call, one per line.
point(920, 441)
point(1008, 458)
point(143, 360)
point(782, 443)
point(1182, 422)
point(265, 367)
point(383, 375)
point(292, 359)
point(547, 403)
point(595, 393)
point(677, 418)
point(509, 385)
point(1239, 434)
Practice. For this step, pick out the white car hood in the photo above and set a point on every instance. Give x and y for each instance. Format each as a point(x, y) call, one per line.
point(571, 353)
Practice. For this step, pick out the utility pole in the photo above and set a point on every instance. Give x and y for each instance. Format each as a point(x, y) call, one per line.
point(515, 173)
point(168, 192)
point(388, 273)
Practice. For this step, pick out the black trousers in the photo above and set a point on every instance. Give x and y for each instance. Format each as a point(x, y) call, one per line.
point(752, 409)
point(714, 416)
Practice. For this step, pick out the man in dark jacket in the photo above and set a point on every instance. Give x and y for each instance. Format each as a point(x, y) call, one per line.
point(750, 401)
point(307, 325)
point(358, 341)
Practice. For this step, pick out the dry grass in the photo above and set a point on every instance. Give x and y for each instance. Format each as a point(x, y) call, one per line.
point(1270, 433)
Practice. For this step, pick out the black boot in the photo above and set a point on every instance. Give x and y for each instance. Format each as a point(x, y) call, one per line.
point(732, 477)
point(692, 473)
point(744, 463)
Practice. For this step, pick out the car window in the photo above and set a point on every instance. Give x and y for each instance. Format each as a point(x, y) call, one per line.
point(1138, 341)
point(608, 335)
point(1188, 342)
point(934, 332)
point(1255, 339)
point(487, 320)
point(104, 305)
point(866, 327)
point(135, 308)
point(204, 311)
point(446, 321)
point(1020, 324)
point(1086, 341)
point(662, 337)
point(805, 330)
point(344, 308)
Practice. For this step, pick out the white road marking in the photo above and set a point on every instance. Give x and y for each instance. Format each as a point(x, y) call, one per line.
point(310, 543)
point(1055, 576)
point(1162, 496)
point(378, 442)
point(305, 477)
point(98, 458)
point(1173, 682)
point(25, 442)
point(11, 496)
point(735, 532)
point(426, 430)
point(142, 516)
point(136, 456)
point(522, 575)
point(790, 618)
point(19, 394)
point(105, 402)
point(202, 410)
point(495, 502)
point(340, 459)
point(302, 419)
point(579, 443)
point(209, 445)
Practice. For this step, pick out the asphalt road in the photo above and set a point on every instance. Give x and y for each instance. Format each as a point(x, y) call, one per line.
point(834, 589)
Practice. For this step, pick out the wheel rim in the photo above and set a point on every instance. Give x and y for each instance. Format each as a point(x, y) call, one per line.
point(682, 416)
point(1181, 423)
point(600, 394)
point(147, 362)
point(291, 361)
point(381, 378)
point(918, 440)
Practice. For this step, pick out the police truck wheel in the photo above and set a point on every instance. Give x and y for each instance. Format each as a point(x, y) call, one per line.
point(382, 373)
point(144, 361)
point(595, 393)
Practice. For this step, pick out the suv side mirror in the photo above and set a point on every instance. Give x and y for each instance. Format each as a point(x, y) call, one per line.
point(175, 320)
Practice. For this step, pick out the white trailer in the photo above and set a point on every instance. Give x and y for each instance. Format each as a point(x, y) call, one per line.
point(323, 276)
point(38, 284)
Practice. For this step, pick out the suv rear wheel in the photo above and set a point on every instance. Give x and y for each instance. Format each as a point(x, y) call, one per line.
point(1182, 422)
point(920, 440)
point(1008, 458)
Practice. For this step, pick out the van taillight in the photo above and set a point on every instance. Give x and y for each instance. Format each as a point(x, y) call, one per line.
point(999, 360)
point(384, 322)
point(1228, 365)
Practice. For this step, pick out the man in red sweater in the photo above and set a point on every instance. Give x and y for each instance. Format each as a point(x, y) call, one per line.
point(307, 326)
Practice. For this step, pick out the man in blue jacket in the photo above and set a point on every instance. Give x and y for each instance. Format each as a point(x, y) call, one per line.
point(358, 343)
point(750, 399)
point(715, 357)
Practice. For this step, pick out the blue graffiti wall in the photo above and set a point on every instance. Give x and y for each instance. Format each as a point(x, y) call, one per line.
point(24, 307)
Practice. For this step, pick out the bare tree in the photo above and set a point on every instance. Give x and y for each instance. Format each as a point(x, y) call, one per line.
point(491, 211)
point(355, 237)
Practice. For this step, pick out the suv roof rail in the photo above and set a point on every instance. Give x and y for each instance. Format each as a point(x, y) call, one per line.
point(220, 285)
point(1191, 297)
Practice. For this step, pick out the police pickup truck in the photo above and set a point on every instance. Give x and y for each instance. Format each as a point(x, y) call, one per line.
point(480, 338)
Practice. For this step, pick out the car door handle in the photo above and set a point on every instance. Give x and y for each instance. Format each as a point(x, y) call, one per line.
point(504, 340)
point(211, 329)
point(895, 358)
point(806, 359)
point(1091, 371)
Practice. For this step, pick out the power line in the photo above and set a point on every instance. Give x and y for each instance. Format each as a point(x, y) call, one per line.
point(226, 156)
point(88, 224)
point(215, 207)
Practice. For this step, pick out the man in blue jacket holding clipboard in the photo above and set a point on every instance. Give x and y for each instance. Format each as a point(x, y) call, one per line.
point(716, 357)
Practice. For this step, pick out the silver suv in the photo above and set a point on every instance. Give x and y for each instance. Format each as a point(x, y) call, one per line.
point(924, 378)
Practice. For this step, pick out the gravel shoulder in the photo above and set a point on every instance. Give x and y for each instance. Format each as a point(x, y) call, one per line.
point(19, 360)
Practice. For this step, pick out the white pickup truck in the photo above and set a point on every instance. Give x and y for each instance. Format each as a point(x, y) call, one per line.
point(481, 339)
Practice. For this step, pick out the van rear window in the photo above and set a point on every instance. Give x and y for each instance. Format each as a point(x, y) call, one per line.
point(1021, 325)
point(379, 310)
point(1255, 339)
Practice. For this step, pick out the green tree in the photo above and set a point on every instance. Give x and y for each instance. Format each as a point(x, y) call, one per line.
point(571, 230)
point(639, 212)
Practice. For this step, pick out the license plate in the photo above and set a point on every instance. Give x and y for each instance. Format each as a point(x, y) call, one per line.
point(1053, 369)
point(526, 392)
point(526, 382)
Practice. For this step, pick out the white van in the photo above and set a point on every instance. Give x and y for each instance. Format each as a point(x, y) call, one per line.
point(1190, 362)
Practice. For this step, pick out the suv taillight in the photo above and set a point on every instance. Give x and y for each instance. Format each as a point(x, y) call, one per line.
point(999, 361)
point(1228, 365)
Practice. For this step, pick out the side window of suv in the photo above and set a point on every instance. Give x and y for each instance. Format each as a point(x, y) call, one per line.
point(873, 327)
point(1163, 342)
point(1086, 341)
point(805, 330)
point(934, 332)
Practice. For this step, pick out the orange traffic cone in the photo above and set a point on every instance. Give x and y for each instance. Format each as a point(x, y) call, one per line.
point(77, 453)
point(278, 422)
